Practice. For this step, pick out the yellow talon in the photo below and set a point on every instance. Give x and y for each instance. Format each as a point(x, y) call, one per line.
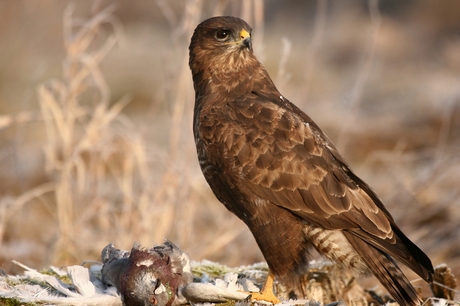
point(266, 294)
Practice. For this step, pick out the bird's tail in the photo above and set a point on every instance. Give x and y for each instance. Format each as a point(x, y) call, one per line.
point(386, 271)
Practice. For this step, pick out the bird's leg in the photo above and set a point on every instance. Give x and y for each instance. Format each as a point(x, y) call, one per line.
point(266, 294)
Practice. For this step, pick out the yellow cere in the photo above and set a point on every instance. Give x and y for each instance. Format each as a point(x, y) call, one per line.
point(244, 34)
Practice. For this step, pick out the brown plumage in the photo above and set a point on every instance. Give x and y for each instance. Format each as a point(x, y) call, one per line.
point(274, 168)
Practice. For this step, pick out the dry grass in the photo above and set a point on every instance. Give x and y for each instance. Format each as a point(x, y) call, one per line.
point(90, 160)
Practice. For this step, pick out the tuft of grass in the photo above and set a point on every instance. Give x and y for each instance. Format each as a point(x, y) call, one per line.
point(92, 153)
point(13, 302)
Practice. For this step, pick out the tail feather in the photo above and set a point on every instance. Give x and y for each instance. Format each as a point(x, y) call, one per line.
point(417, 261)
point(386, 271)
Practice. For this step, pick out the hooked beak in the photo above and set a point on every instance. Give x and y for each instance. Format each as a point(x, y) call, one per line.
point(245, 39)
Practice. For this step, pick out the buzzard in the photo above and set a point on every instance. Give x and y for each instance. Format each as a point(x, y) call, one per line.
point(272, 166)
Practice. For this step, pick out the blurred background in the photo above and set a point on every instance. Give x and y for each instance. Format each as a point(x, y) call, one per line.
point(96, 104)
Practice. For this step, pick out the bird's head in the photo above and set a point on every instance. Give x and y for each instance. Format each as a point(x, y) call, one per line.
point(221, 52)
point(219, 35)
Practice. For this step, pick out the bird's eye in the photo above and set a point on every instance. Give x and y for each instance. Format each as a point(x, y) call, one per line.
point(222, 34)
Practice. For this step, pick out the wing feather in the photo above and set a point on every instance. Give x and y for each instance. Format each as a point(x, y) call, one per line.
point(283, 157)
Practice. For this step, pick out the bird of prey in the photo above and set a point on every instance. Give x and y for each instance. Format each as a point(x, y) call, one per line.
point(272, 166)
